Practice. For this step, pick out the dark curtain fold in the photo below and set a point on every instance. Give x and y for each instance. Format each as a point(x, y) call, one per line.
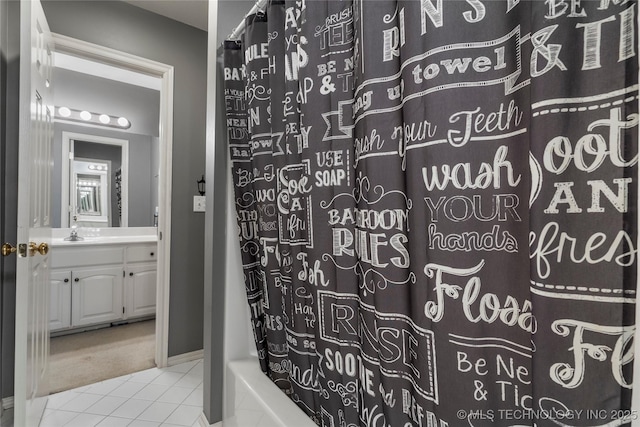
point(437, 208)
point(241, 155)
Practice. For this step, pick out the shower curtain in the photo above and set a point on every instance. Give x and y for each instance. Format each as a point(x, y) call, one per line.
point(437, 208)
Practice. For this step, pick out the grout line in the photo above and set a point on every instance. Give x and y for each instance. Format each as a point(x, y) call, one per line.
point(86, 390)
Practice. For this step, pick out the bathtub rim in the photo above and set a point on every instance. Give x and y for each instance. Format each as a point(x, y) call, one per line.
point(275, 403)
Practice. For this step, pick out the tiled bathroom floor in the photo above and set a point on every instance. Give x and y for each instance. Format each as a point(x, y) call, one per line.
point(156, 397)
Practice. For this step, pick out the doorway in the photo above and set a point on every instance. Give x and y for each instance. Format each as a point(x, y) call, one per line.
point(110, 60)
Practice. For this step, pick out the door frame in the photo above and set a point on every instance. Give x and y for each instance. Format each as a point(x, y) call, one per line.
point(164, 72)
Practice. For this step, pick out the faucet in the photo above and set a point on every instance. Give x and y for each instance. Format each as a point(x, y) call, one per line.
point(73, 237)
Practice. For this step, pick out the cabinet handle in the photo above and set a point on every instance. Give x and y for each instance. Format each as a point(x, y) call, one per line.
point(66, 280)
point(131, 274)
point(76, 279)
point(151, 253)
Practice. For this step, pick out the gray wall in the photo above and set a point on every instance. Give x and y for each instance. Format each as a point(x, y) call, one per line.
point(9, 26)
point(124, 27)
point(217, 249)
point(142, 193)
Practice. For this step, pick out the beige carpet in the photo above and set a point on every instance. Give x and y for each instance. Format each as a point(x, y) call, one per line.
point(89, 357)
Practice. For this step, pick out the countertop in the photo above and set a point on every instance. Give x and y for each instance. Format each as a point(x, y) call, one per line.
point(104, 237)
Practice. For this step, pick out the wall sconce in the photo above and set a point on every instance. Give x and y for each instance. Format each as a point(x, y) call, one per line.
point(78, 116)
point(201, 185)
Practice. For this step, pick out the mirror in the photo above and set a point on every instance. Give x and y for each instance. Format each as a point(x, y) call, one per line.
point(91, 184)
point(95, 183)
point(88, 196)
point(128, 192)
point(129, 180)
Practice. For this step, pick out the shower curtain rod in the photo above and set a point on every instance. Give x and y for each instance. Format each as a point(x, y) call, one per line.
point(260, 5)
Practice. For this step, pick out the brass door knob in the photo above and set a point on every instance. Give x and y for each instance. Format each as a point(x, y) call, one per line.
point(8, 249)
point(41, 248)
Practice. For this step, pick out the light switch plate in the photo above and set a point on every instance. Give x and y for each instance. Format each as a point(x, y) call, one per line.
point(199, 203)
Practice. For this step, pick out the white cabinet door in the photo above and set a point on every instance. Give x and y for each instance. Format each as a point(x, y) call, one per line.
point(60, 293)
point(141, 290)
point(97, 295)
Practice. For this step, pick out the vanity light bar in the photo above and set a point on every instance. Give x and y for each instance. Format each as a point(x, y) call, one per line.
point(98, 167)
point(83, 116)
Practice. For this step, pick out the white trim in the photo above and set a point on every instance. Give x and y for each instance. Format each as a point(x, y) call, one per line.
point(165, 73)
point(118, 74)
point(7, 403)
point(185, 357)
point(110, 56)
point(67, 137)
point(164, 218)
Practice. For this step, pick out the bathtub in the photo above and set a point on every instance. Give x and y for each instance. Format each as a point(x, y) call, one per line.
point(252, 400)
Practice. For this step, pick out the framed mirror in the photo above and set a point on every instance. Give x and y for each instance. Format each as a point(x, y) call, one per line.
point(91, 189)
point(95, 181)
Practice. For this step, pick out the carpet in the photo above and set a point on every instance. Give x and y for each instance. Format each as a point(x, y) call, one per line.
point(89, 357)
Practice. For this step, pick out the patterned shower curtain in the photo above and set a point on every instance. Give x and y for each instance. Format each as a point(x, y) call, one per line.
point(437, 208)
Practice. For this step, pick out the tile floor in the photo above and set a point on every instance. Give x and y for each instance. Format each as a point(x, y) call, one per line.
point(152, 398)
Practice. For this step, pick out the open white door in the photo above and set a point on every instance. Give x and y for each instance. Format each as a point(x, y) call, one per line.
point(34, 215)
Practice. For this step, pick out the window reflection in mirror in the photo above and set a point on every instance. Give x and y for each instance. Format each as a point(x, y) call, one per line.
point(91, 183)
point(98, 162)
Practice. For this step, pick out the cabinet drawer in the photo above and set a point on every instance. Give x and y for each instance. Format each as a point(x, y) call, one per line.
point(79, 257)
point(142, 253)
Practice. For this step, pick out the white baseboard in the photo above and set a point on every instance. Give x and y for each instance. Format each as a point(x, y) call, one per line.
point(185, 357)
point(7, 402)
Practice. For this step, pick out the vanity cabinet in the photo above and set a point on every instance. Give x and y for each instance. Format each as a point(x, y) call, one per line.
point(140, 281)
point(96, 295)
point(60, 309)
point(141, 290)
point(94, 284)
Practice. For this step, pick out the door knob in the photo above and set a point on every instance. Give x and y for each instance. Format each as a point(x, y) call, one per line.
point(8, 249)
point(41, 248)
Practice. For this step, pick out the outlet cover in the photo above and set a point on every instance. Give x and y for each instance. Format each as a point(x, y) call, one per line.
point(199, 203)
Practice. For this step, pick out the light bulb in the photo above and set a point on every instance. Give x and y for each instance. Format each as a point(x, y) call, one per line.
point(123, 122)
point(85, 115)
point(64, 111)
point(104, 119)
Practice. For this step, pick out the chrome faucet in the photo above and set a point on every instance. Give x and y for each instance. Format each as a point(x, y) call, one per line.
point(73, 237)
